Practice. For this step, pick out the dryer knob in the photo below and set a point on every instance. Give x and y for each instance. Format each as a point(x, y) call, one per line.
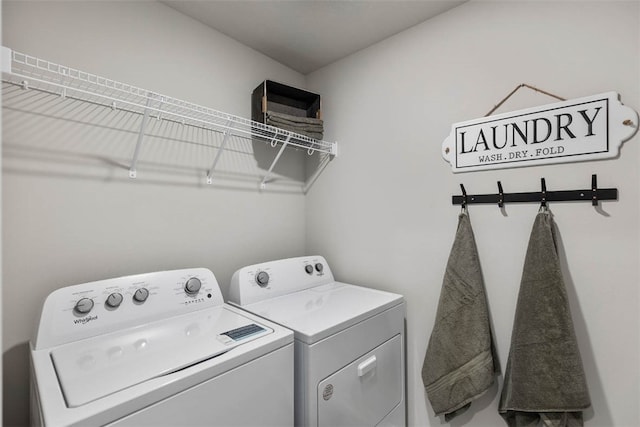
point(192, 286)
point(319, 267)
point(308, 268)
point(262, 278)
point(141, 295)
point(83, 306)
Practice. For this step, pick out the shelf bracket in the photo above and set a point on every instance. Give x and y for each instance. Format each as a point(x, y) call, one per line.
point(6, 58)
point(143, 125)
point(227, 134)
point(263, 184)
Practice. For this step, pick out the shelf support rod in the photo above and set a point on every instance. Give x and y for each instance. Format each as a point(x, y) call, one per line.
point(227, 134)
point(263, 184)
point(136, 153)
point(323, 164)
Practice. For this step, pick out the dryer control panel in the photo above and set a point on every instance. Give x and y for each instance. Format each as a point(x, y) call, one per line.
point(275, 278)
point(94, 308)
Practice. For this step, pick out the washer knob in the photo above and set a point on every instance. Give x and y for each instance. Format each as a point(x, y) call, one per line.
point(141, 295)
point(319, 267)
point(83, 306)
point(114, 300)
point(308, 268)
point(262, 278)
point(192, 286)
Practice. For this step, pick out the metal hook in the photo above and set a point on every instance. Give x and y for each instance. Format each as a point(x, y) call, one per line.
point(594, 190)
point(464, 199)
point(274, 140)
point(501, 195)
point(543, 194)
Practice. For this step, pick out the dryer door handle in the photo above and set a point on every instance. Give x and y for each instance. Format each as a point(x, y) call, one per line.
point(367, 365)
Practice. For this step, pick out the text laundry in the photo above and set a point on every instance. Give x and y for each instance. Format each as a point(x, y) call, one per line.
point(533, 131)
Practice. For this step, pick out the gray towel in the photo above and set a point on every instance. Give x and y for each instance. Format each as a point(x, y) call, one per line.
point(308, 126)
point(459, 364)
point(293, 119)
point(544, 380)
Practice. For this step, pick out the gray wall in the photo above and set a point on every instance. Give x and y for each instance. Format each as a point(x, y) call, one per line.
point(391, 222)
point(70, 212)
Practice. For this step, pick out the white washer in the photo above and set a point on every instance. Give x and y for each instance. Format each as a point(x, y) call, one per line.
point(158, 349)
point(349, 341)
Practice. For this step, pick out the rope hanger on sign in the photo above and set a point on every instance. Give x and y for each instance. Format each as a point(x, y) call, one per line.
point(521, 85)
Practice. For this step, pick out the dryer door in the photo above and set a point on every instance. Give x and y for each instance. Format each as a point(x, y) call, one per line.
point(366, 390)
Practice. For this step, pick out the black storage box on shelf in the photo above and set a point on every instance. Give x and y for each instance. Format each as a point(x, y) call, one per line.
point(288, 108)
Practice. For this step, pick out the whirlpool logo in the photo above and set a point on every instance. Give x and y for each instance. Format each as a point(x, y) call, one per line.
point(85, 320)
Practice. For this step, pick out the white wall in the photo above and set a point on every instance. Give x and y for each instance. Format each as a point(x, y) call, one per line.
point(382, 214)
point(70, 212)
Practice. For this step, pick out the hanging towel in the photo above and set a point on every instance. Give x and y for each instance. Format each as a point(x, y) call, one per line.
point(459, 364)
point(544, 380)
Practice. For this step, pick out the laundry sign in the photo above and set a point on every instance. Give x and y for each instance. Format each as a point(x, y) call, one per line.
point(580, 129)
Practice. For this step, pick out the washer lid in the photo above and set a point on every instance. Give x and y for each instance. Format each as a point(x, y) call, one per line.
point(316, 313)
point(96, 367)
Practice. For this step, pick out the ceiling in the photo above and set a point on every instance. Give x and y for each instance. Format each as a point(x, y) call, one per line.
point(306, 35)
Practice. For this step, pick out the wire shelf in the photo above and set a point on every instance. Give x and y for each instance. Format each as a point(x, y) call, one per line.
point(29, 72)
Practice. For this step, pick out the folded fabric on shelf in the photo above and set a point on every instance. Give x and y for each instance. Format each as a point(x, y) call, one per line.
point(308, 126)
point(293, 119)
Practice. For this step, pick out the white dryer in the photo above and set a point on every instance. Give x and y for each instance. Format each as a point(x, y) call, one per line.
point(349, 341)
point(158, 349)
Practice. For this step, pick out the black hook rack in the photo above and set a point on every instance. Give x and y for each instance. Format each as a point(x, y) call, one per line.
point(594, 194)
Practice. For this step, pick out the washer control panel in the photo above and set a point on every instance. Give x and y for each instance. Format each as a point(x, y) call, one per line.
point(271, 279)
point(81, 311)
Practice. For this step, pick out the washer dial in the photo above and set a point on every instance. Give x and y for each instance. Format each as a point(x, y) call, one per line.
point(141, 295)
point(114, 300)
point(192, 286)
point(83, 306)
